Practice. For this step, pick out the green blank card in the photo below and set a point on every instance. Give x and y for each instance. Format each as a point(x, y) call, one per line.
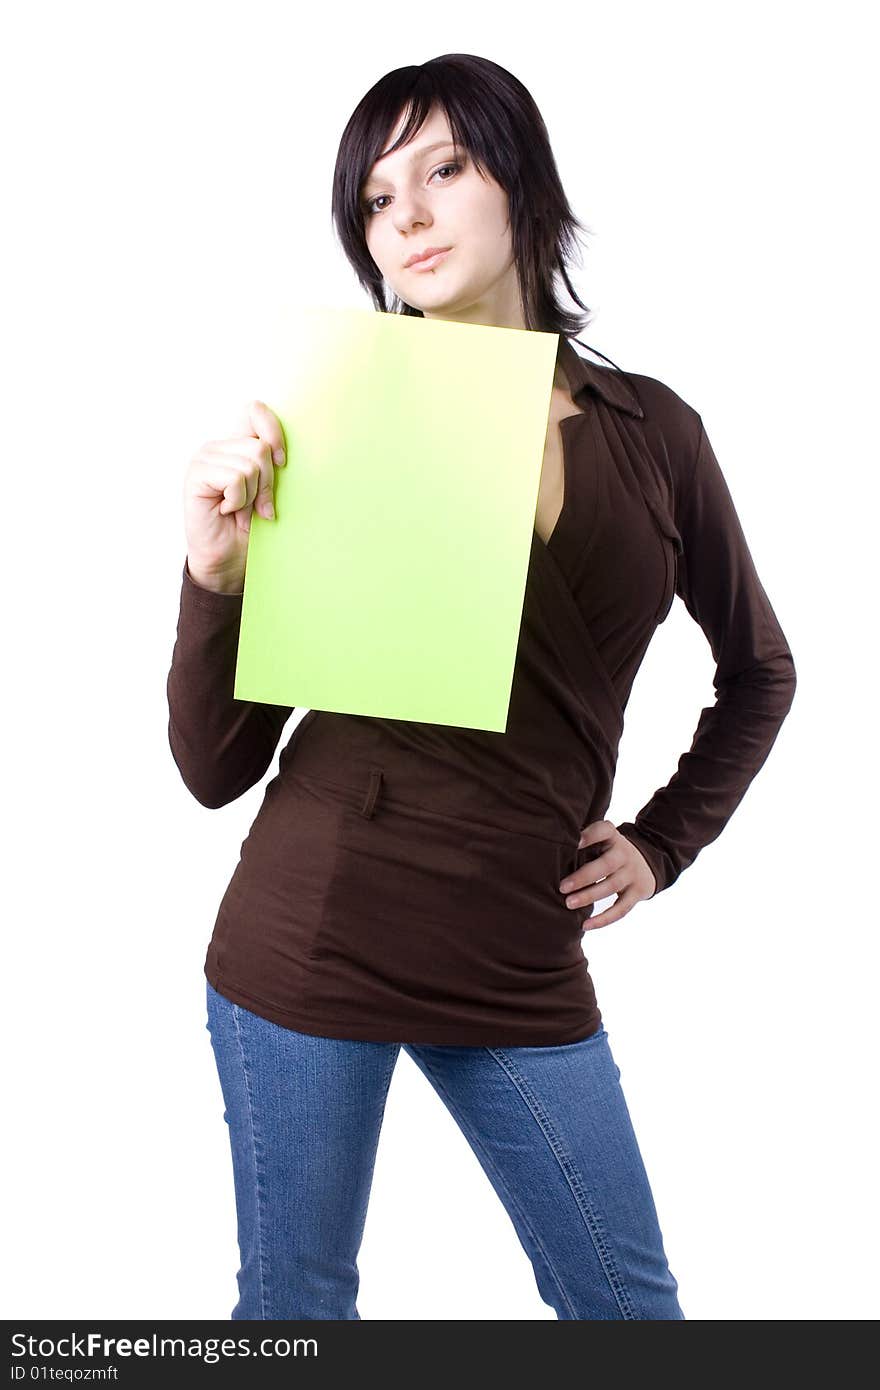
point(391, 582)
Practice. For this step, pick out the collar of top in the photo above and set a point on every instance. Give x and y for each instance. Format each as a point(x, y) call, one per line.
point(612, 386)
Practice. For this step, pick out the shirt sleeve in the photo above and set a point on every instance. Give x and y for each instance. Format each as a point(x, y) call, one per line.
point(754, 679)
point(222, 746)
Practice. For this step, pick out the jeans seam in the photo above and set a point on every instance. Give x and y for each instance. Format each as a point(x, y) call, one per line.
point(592, 1220)
point(261, 1205)
point(392, 1063)
point(475, 1139)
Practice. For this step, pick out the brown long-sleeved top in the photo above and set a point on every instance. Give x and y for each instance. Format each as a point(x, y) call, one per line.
point(400, 881)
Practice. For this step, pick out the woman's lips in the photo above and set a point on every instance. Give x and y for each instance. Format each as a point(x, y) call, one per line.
point(430, 263)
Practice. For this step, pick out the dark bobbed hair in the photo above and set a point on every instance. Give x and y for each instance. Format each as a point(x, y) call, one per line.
point(493, 117)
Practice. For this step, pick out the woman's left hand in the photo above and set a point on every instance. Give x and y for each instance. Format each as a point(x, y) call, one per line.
point(620, 869)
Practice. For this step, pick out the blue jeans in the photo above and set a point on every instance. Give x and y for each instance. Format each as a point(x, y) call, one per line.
point(549, 1125)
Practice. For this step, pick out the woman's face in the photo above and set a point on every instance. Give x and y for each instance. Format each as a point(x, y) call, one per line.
point(419, 197)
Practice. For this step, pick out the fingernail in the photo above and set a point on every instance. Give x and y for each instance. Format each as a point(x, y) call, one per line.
point(278, 456)
point(268, 509)
point(565, 885)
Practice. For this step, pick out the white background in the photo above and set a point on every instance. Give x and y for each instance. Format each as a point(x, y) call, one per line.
point(168, 171)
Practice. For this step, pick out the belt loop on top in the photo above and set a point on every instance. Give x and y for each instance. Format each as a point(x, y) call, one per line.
point(369, 805)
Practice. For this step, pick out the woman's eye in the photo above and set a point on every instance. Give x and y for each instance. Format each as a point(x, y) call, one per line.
point(370, 208)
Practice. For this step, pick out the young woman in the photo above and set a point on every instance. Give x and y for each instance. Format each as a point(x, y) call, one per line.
point(428, 886)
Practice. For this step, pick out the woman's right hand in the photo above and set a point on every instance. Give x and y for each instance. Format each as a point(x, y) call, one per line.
point(225, 480)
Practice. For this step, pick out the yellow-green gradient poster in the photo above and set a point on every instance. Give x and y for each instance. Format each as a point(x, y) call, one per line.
point(391, 581)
